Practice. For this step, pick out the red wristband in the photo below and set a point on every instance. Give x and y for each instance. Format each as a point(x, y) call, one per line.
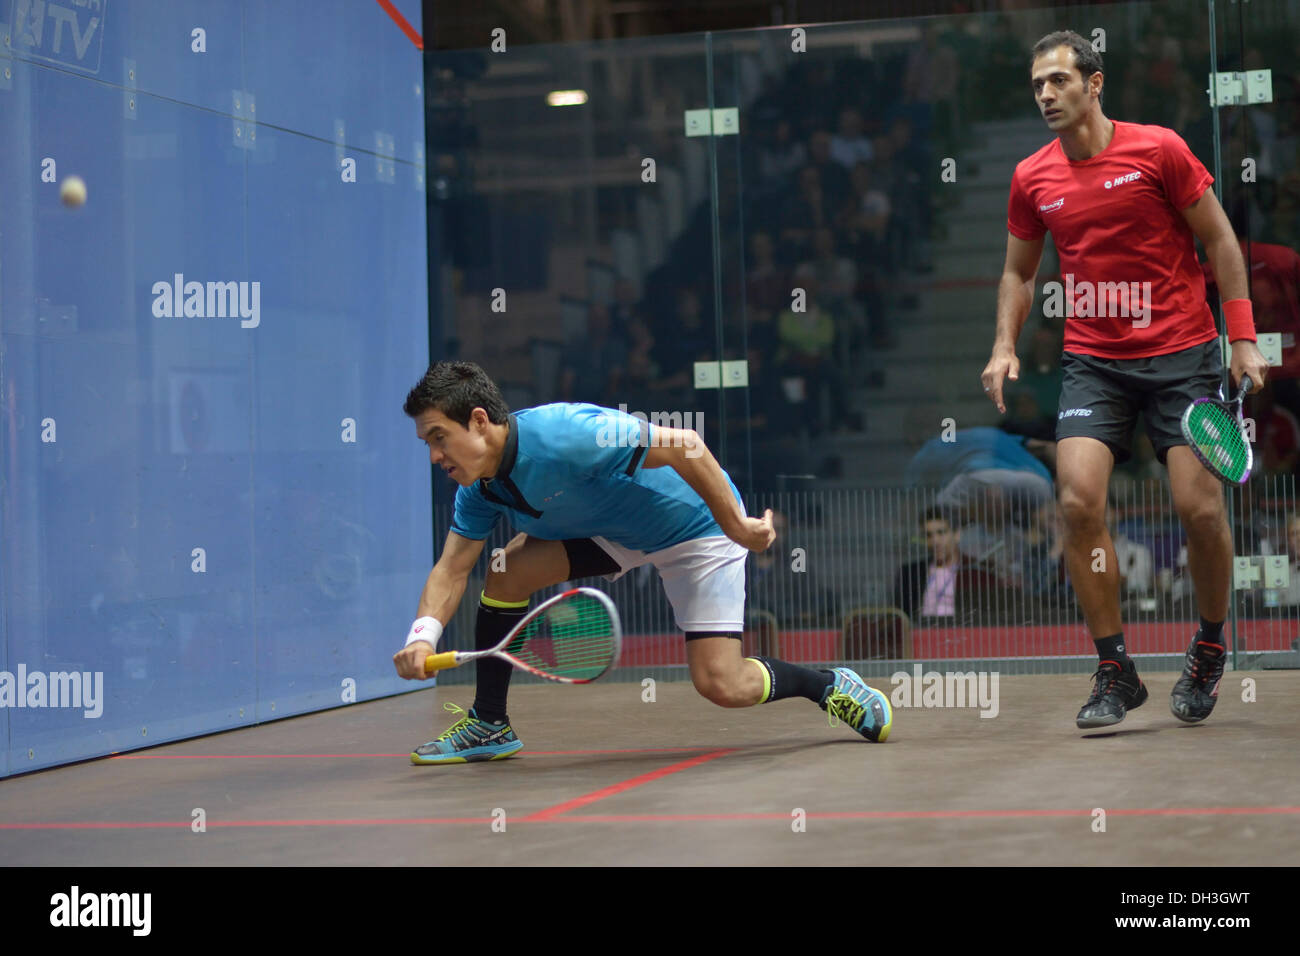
point(1240, 320)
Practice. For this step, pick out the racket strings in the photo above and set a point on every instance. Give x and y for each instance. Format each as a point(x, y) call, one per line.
point(572, 638)
point(1218, 439)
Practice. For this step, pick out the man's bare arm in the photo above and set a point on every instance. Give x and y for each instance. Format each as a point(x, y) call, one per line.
point(684, 451)
point(443, 590)
point(1208, 221)
point(446, 582)
point(1015, 297)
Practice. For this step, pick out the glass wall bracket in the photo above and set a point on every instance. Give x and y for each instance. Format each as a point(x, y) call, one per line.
point(1241, 89)
point(719, 122)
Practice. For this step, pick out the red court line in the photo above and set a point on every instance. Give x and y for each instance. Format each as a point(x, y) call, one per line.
point(551, 813)
point(401, 21)
point(528, 753)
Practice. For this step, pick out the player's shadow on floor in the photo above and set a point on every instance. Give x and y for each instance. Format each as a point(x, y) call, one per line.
point(1128, 732)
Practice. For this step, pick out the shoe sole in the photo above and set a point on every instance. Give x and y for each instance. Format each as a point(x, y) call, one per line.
point(420, 761)
point(1188, 720)
point(1094, 722)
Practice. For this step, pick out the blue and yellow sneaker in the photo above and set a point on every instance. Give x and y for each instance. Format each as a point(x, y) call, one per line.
point(863, 708)
point(469, 740)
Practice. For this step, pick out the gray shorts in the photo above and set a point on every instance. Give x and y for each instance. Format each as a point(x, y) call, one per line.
point(1101, 398)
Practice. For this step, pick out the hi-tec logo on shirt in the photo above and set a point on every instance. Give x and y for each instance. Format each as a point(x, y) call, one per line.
point(1075, 413)
point(1121, 180)
point(1052, 206)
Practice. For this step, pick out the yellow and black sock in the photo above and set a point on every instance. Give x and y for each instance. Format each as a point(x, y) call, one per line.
point(782, 680)
point(495, 619)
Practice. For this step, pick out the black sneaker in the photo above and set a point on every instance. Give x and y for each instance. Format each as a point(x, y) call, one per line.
point(1197, 690)
point(1117, 691)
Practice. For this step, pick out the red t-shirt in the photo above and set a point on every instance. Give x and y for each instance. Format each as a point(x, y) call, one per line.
point(1117, 224)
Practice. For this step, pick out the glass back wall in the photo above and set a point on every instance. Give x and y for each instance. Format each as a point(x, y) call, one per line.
point(816, 220)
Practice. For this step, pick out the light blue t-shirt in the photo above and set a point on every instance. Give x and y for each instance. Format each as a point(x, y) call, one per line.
point(975, 449)
point(574, 471)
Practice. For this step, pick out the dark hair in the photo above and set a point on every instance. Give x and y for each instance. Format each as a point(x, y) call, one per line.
point(1086, 58)
point(935, 513)
point(456, 389)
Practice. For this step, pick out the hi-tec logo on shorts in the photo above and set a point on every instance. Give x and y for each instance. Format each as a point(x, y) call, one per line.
point(1121, 180)
point(1052, 206)
point(1075, 413)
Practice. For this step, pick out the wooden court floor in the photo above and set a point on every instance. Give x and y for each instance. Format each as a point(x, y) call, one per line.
point(609, 779)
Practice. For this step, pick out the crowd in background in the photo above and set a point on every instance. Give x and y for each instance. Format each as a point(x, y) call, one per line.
point(831, 202)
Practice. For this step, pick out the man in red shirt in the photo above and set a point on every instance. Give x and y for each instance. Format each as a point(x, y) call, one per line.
point(1123, 202)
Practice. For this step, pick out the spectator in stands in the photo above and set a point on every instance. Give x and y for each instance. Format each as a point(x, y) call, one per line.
point(1045, 575)
point(834, 176)
point(804, 213)
point(898, 157)
point(836, 279)
point(930, 86)
point(767, 291)
point(683, 340)
point(864, 219)
point(974, 459)
point(774, 422)
point(1136, 566)
point(591, 368)
point(993, 485)
point(863, 226)
point(782, 154)
point(928, 588)
point(807, 350)
point(850, 145)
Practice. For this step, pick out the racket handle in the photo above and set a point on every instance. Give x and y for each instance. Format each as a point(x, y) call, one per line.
point(439, 662)
point(1246, 383)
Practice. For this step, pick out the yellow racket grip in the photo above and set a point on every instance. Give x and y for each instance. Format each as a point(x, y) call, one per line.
point(439, 662)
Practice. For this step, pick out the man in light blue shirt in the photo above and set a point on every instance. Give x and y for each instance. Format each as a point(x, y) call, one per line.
point(594, 492)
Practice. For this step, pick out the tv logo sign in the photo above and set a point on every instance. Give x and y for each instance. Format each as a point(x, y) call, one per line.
point(61, 33)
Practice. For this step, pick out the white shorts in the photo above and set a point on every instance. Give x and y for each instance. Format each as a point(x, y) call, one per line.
point(703, 578)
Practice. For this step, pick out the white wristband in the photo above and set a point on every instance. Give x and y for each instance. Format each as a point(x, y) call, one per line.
point(425, 629)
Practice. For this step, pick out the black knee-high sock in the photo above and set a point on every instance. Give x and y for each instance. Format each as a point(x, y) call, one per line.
point(790, 680)
point(495, 619)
